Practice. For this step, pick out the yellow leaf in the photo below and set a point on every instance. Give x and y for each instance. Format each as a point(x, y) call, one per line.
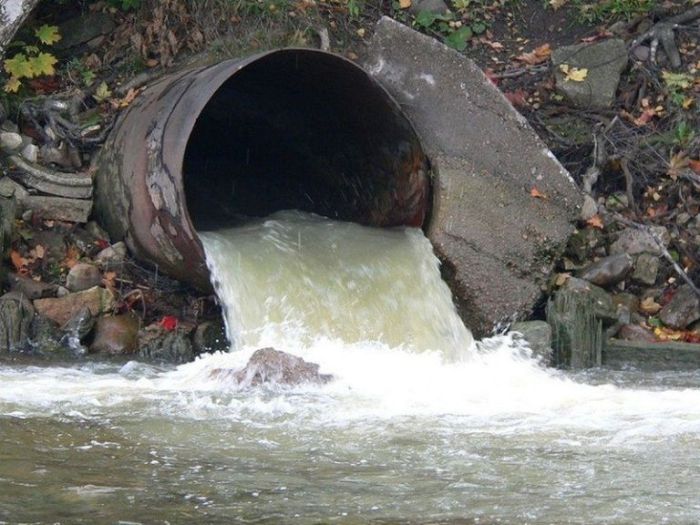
point(649, 306)
point(18, 66)
point(556, 4)
point(12, 85)
point(102, 92)
point(43, 63)
point(573, 74)
point(404, 4)
point(48, 34)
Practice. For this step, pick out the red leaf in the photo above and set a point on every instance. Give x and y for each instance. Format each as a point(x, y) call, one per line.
point(518, 97)
point(169, 323)
point(694, 165)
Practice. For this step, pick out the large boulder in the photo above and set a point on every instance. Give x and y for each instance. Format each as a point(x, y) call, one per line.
point(503, 206)
point(63, 309)
point(165, 346)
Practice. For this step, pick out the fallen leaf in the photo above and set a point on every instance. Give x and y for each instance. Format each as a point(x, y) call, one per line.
point(649, 306)
point(537, 56)
point(573, 74)
point(39, 251)
point(518, 97)
point(404, 4)
point(596, 222)
point(19, 262)
point(537, 194)
point(48, 34)
point(72, 256)
point(169, 323)
point(678, 162)
point(102, 93)
point(562, 278)
point(556, 4)
point(694, 165)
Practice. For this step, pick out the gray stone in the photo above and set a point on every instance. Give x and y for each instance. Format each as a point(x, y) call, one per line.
point(682, 310)
point(603, 306)
point(58, 208)
point(438, 7)
point(589, 208)
point(583, 243)
point(538, 335)
point(80, 30)
point(608, 271)
point(16, 314)
point(634, 241)
point(83, 276)
point(268, 365)
point(14, 13)
point(605, 61)
point(30, 152)
point(10, 141)
point(496, 242)
point(112, 254)
point(30, 288)
point(646, 269)
point(61, 155)
point(635, 332)
point(158, 345)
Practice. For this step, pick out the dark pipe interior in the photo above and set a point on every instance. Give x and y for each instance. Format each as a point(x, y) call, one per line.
point(305, 130)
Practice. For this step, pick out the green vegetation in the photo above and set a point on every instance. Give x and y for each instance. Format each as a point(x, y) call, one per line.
point(31, 60)
point(606, 11)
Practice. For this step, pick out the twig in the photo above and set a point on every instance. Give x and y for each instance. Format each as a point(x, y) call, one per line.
point(663, 32)
point(512, 73)
point(629, 185)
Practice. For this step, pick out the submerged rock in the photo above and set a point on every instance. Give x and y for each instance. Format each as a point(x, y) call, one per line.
point(682, 310)
point(538, 335)
point(116, 335)
point(210, 336)
point(608, 271)
point(635, 332)
point(16, 314)
point(268, 365)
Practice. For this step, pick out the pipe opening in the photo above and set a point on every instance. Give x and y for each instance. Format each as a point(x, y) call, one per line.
point(302, 129)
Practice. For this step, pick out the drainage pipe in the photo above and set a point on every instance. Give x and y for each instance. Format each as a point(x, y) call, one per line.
point(213, 146)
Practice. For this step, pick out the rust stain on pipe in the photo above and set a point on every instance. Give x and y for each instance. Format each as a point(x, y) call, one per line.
point(141, 194)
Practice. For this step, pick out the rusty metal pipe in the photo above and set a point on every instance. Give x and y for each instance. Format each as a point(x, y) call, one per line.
point(292, 128)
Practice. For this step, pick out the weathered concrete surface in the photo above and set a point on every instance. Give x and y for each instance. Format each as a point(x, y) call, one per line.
point(667, 355)
point(12, 14)
point(496, 241)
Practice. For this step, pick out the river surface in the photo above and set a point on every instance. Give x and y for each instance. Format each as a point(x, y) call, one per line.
point(420, 425)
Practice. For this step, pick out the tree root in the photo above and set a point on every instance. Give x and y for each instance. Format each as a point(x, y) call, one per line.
point(662, 32)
